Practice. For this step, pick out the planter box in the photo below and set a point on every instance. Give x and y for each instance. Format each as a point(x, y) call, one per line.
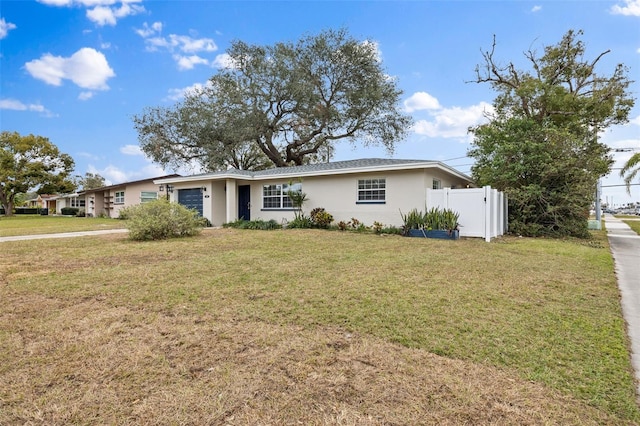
point(441, 234)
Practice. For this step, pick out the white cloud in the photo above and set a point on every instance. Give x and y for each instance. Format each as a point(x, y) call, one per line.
point(111, 174)
point(421, 101)
point(87, 68)
point(114, 174)
point(105, 45)
point(85, 96)
point(635, 121)
point(103, 15)
point(178, 94)
point(131, 150)
point(148, 30)
point(192, 45)
point(223, 61)
point(16, 105)
point(174, 43)
point(536, 8)
point(452, 122)
point(188, 62)
point(629, 8)
point(5, 27)
point(102, 12)
point(152, 170)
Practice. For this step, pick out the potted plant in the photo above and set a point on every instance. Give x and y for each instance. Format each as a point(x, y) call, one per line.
point(435, 223)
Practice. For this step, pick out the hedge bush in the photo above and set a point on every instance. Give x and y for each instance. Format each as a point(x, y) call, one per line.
point(160, 219)
point(69, 211)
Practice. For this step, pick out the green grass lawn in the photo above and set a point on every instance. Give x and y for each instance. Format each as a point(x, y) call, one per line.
point(128, 323)
point(634, 224)
point(37, 224)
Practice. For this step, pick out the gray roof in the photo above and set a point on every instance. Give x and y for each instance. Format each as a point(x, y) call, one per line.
point(349, 166)
point(338, 165)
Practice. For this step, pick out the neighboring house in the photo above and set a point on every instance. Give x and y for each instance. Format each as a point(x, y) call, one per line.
point(46, 201)
point(368, 190)
point(69, 200)
point(109, 200)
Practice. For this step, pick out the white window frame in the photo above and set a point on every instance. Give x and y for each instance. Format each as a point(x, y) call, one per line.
point(76, 202)
point(148, 198)
point(118, 197)
point(372, 191)
point(436, 184)
point(277, 195)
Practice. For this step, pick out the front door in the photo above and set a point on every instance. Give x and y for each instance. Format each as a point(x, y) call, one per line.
point(244, 202)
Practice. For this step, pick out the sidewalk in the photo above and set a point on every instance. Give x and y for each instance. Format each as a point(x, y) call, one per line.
point(61, 235)
point(625, 248)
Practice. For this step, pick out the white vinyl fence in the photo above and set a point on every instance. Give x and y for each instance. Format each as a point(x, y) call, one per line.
point(483, 211)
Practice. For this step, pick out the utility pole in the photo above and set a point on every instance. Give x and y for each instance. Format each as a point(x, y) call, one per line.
point(598, 195)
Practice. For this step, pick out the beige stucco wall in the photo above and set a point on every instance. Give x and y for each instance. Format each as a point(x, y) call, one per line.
point(101, 202)
point(405, 190)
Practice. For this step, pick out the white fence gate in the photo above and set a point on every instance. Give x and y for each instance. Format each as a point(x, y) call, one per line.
point(483, 211)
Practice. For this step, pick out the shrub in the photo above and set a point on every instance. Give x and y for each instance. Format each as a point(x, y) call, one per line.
point(160, 219)
point(377, 227)
point(435, 218)
point(81, 213)
point(321, 218)
point(69, 211)
point(342, 225)
point(301, 222)
point(392, 230)
point(358, 226)
point(124, 214)
point(253, 224)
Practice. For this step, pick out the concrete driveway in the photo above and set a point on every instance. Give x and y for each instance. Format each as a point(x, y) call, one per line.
point(62, 235)
point(625, 248)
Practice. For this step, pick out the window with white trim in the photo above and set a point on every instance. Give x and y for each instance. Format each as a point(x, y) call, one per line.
point(119, 197)
point(276, 196)
point(372, 190)
point(76, 202)
point(437, 184)
point(146, 196)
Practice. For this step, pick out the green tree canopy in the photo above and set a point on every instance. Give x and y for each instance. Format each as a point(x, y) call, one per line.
point(540, 146)
point(280, 105)
point(31, 163)
point(90, 181)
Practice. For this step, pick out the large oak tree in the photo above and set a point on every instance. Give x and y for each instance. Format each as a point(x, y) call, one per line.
point(541, 146)
point(31, 163)
point(280, 105)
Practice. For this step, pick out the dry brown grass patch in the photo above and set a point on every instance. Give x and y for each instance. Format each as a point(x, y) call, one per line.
point(109, 364)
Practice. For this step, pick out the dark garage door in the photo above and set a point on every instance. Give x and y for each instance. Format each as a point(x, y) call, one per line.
point(191, 198)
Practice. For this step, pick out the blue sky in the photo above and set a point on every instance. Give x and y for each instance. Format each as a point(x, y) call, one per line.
point(76, 71)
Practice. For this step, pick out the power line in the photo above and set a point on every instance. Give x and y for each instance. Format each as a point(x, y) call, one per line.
point(456, 158)
point(611, 186)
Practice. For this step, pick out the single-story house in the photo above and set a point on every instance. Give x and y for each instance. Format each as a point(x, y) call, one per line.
point(68, 200)
point(366, 189)
point(109, 200)
point(44, 201)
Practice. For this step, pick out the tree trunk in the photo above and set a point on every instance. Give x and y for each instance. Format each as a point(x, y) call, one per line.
point(8, 208)
point(6, 203)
